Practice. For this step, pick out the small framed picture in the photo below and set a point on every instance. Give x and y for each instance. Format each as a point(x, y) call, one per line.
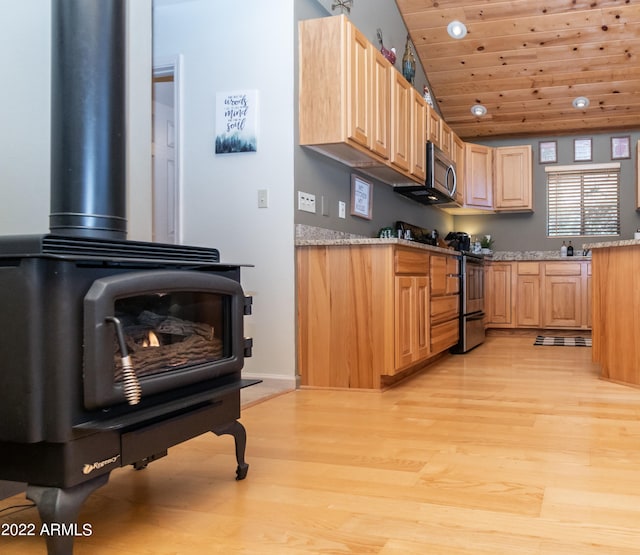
point(547, 152)
point(620, 148)
point(582, 150)
point(361, 197)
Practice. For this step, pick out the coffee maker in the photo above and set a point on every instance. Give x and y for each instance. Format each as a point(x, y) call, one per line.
point(459, 240)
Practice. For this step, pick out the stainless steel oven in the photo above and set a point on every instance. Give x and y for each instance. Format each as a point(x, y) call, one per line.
point(472, 303)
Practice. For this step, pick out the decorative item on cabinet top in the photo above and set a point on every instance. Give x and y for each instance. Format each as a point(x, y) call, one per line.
point(408, 62)
point(389, 54)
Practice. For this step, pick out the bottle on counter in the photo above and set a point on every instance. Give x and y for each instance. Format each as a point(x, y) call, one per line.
point(570, 249)
point(563, 249)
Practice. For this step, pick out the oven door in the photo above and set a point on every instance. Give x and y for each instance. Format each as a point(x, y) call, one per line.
point(472, 285)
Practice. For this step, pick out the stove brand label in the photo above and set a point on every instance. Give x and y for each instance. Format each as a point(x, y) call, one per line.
point(89, 468)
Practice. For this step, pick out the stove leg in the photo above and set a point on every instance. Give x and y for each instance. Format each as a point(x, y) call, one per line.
point(240, 435)
point(58, 507)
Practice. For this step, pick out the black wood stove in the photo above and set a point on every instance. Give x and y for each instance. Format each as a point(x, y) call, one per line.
point(111, 350)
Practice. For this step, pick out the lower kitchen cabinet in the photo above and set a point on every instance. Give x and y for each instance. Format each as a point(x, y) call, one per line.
point(445, 302)
point(549, 294)
point(499, 305)
point(365, 313)
point(527, 296)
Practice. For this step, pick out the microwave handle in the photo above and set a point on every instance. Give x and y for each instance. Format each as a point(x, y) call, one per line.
point(450, 169)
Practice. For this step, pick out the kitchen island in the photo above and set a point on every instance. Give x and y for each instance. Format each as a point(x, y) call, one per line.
point(616, 316)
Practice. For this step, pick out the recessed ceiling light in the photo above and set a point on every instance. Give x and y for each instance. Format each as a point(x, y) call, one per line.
point(478, 110)
point(581, 102)
point(456, 30)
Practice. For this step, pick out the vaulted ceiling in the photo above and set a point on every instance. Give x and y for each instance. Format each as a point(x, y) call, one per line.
point(526, 60)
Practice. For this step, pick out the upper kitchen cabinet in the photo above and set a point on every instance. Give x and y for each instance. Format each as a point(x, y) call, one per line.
point(344, 92)
point(433, 126)
point(457, 155)
point(446, 139)
point(418, 136)
point(478, 176)
point(513, 179)
point(401, 104)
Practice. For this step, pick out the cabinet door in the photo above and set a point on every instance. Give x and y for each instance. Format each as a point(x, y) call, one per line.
point(562, 301)
point(446, 139)
point(433, 126)
point(514, 184)
point(418, 134)
point(498, 295)
point(528, 301)
point(412, 320)
point(401, 97)
point(381, 100)
point(458, 158)
point(358, 87)
point(478, 168)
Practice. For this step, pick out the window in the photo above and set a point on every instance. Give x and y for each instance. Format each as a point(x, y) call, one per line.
point(583, 200)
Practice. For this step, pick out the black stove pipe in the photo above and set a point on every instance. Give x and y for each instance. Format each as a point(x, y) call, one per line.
point(88, 144)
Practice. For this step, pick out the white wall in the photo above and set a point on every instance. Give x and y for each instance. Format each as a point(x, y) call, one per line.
point(25, 58)
point(229, 46)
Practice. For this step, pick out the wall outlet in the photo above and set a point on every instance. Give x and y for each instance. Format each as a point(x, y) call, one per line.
point(342, 209)
point(306, 202)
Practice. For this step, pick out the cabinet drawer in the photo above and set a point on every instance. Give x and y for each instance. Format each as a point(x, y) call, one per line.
point(444, 308)
point(528, 268)
point(411, 261)
point(562, 268)
point(444, 336)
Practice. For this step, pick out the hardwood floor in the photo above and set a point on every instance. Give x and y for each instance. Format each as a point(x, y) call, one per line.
point(510, 449)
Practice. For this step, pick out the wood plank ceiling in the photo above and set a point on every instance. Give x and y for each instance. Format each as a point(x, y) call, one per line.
point(526, 60)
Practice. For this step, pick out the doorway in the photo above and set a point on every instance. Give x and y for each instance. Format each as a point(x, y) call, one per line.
point(165, 152)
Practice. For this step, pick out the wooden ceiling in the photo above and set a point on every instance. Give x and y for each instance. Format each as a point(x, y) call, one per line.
point(526, 60)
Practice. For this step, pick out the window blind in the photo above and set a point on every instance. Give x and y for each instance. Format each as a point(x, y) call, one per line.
point(583, 200)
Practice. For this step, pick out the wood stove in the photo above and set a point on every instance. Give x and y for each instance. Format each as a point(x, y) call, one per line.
point(112, 351)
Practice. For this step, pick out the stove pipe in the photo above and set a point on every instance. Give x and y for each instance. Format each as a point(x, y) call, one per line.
point(88, 144)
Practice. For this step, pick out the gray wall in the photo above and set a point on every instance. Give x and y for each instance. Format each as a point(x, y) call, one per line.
point(528, 231)
point(317, 174)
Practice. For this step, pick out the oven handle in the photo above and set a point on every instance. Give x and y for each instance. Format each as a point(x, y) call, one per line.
point(478, 316)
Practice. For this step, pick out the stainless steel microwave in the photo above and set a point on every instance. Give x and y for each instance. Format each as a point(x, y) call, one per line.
point(440, 183)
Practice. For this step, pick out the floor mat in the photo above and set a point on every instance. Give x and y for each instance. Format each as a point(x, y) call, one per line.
point(563, 341)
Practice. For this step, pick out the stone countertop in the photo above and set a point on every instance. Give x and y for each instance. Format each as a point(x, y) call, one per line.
point(608, 244)
point(347, 241)
point(514, 256)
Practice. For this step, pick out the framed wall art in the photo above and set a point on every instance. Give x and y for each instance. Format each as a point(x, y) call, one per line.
point(582, 150)
point(620, 148)
point(236, 122)
point(361, 197)
point(547, 152)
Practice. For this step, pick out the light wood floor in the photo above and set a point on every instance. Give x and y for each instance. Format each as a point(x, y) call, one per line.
point(510, 449)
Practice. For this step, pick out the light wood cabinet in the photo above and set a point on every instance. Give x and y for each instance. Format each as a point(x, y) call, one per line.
point(336, 110)
point(412, 319)
point(433, 126)
point(562, 295)
point(401, 103)
point(499, 305)
point(446, 139)
point(457, 152)
point(513, 179)
point(355, 107)
point(527, 297)
point(478, 176)
point(547, 295)
point(367, 313)
point(381, 100)
point(418, 136)
point(445, 302)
